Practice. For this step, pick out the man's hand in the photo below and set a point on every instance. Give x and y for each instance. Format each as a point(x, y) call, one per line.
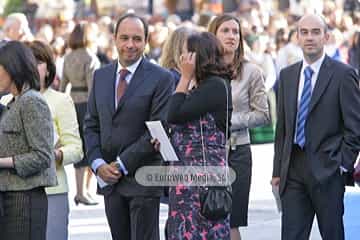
point(58, 156)
point(109, 173)
point(275, 181)
point(156, 144)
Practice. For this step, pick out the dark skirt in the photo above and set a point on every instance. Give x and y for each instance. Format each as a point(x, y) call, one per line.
point(240, 160)
point(81, 109)
point(25, 215)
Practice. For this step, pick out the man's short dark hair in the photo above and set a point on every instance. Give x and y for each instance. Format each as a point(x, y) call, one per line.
point(132, 15)
point(19, 62)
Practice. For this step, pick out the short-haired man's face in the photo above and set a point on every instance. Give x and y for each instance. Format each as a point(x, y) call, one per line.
point(312, 37)
point(130, 41)
point(15, 31)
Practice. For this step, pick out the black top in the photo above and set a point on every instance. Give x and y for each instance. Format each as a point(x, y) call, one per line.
point(209, 97)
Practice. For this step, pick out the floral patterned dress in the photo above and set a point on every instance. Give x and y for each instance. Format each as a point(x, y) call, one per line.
point(185, 221)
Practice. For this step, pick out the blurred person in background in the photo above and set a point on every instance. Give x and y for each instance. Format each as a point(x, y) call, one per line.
point(288, 54)
point(104, 39)
point(332, 46)
point(26, 147)
point(173, 49)
point(59, 47)
point(261, 58)
point(16, 27)
point(157, 36)
point(250, 109)
point(354, 52)
point(280, 39)
point(79, 67)
point(45, 34)
point(68, 146)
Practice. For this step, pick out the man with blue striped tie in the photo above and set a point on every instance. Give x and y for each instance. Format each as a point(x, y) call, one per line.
point(317, 136)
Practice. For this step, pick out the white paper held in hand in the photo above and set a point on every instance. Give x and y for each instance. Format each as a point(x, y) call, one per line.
point(275, 190)
point(166, 149)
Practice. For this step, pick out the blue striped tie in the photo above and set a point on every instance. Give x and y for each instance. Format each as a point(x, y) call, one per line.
point(303, 108)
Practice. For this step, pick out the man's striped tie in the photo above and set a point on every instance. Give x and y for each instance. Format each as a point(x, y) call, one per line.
point(303, 108)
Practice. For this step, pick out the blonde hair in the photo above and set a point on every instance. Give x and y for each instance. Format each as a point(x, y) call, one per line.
point(173, 46)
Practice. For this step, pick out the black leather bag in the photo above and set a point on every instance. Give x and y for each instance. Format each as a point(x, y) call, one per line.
point(216, 201)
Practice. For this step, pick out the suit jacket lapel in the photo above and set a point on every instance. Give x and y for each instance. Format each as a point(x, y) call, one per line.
point(110, 76)
point(291, 91)
point(322, 82)
point(136, 80)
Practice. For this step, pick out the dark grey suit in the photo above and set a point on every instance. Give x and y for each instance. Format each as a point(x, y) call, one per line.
point(310, 180)
point(111, 132)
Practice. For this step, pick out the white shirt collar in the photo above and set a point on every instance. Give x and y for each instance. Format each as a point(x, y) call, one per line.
point(132, 68)
point(315, 66)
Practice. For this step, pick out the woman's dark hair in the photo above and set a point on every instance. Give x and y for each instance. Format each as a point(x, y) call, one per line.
point(79, 37)
point(239, 54)
point(209, 57)
point(44, 54)
point(19, 62)
point(354, 51)
point(356, 40)
point(132, 15)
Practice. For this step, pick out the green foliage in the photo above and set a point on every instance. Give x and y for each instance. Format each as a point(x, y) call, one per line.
point(13, 6)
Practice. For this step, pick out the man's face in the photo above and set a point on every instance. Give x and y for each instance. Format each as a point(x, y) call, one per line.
point(130, 41)
point(312, 37)
point(15, 31)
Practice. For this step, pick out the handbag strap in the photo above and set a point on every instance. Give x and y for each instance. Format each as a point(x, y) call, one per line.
point(226, 135)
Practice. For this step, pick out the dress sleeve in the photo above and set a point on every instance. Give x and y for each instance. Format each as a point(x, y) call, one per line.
point(209, 97)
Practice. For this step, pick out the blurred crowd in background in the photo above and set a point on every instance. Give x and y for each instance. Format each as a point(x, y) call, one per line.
point(268, 26)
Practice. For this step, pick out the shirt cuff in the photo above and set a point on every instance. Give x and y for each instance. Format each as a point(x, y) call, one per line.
point(343, 170)
point(122, 166)
point(96, 164)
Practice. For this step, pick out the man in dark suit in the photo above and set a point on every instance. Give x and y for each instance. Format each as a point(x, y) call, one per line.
point(317, 136)
point(125, 94)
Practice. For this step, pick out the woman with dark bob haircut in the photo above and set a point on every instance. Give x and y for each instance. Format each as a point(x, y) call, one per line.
point(68, 146)
point(198, 119)
point(27, 163)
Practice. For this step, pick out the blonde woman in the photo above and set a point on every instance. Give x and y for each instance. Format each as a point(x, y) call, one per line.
point(173, 49)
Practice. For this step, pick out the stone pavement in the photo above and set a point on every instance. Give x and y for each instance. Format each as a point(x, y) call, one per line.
point(89, 223)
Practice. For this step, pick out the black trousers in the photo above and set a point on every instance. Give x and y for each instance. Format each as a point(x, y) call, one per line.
point(304, 198)
point(25, 215)
point(132, 218)
point(81, 109)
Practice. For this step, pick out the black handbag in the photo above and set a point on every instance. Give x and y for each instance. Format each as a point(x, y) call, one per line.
point(216, 201)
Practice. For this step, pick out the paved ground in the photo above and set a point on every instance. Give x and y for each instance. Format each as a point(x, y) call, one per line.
point(89, 223)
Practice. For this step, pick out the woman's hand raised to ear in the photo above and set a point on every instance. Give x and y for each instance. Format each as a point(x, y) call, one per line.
point(187, 69)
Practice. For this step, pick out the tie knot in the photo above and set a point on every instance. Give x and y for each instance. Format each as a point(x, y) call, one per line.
point(308, 72)
point(123, 73)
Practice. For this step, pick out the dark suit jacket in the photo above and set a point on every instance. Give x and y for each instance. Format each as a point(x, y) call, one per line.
point(333, 123)
point(122, 132)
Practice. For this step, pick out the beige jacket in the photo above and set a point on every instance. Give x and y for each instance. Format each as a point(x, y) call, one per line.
point(79, 68)
point(250, 106)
